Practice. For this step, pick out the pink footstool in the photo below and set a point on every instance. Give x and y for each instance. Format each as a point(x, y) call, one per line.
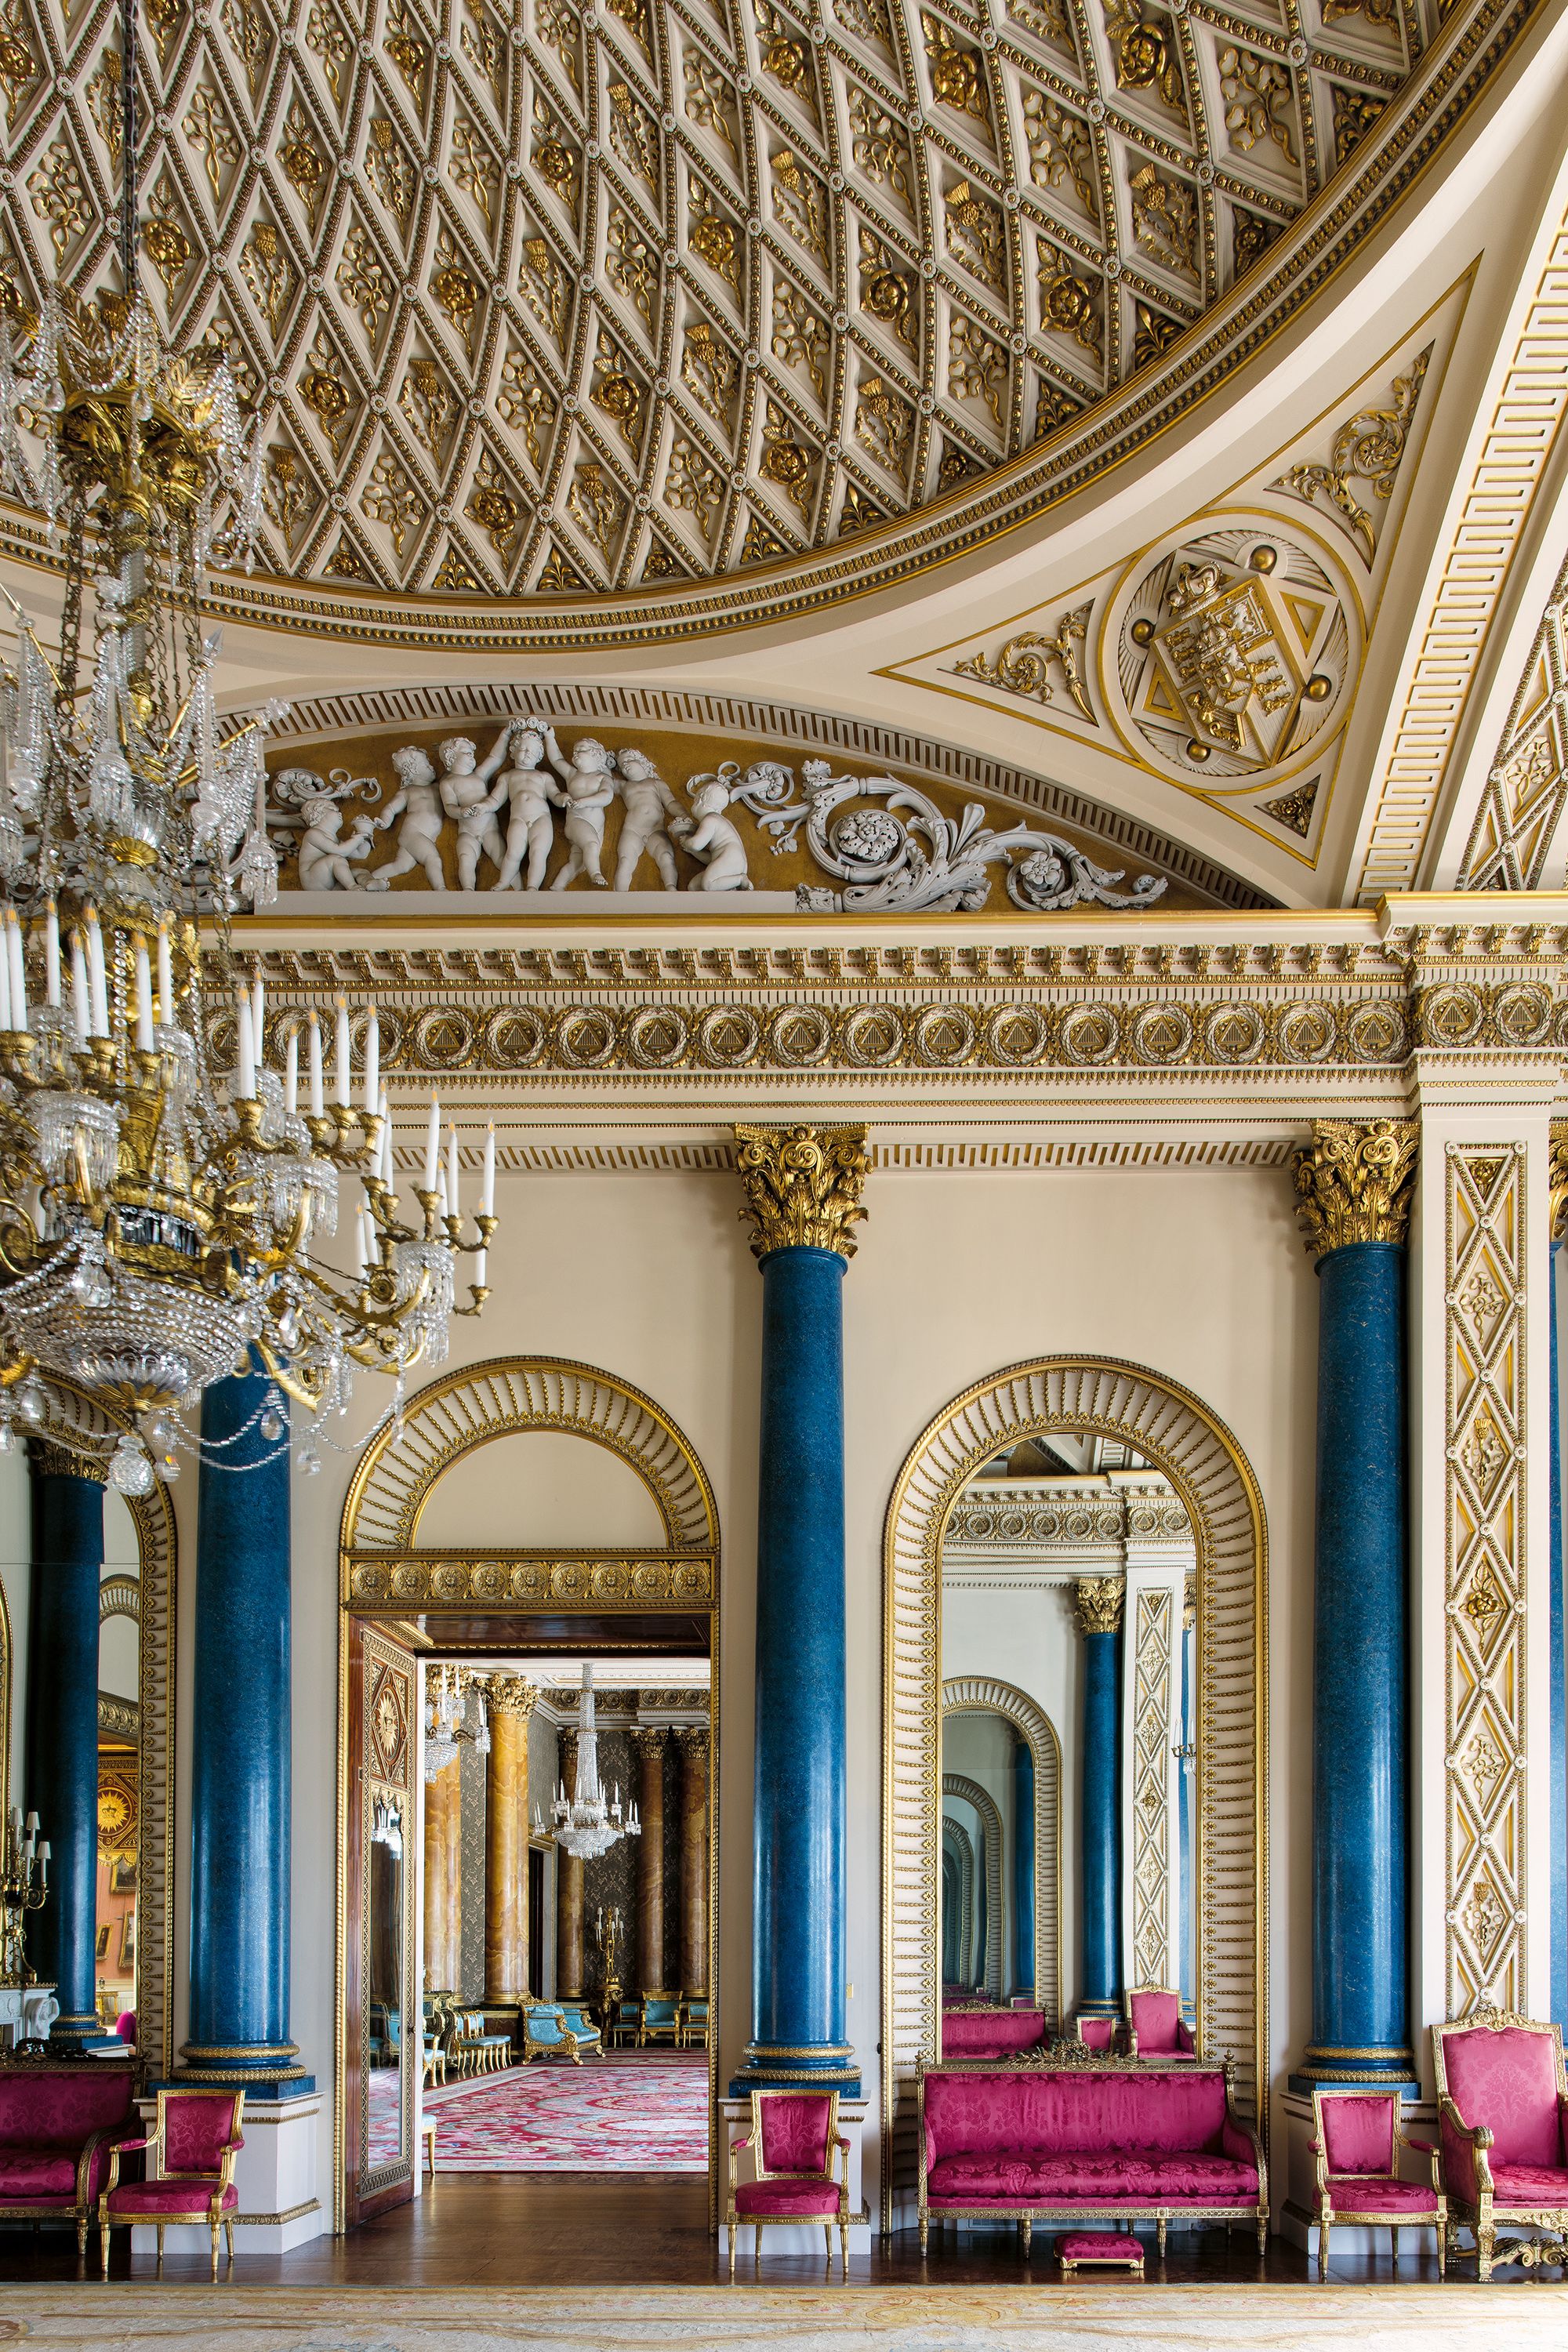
point(1100, 2250)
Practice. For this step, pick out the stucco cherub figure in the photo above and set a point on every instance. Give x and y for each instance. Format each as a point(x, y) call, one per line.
point(326, 860)
point(529, 794)
point(466, 794)
point(418, 804)
point(649, 808)
point(711, 836)
point(587, 789)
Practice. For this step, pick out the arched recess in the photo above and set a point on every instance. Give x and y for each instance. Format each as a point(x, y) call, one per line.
point(386, 1576)
point(958, 1784)
point(988, 1696)
point(153, 1518)
point(1173, 1429)
point(958, 1848)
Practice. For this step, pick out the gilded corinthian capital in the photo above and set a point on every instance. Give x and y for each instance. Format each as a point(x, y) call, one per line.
point(1356, 1182)
point(1557, 1179)
point(803, 1186)
point(510, 1695)
point(1099, 1602)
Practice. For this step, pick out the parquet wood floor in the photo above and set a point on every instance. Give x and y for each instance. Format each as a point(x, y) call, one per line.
point(478, 2230)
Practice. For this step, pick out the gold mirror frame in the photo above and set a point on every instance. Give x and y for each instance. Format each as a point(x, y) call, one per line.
point(1175, 1432)
point(385, 1574)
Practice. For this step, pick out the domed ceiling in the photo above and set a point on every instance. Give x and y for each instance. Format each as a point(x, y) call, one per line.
point(588, 299)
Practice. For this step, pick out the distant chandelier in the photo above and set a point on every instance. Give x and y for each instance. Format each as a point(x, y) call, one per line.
point(456, 1714)
point(160, 1220)
point(585, 1825)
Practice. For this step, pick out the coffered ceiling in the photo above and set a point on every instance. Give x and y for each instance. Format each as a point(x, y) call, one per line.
point(538, 299)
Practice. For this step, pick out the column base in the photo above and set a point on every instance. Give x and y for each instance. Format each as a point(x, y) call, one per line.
point(262, 2068)
point(80, 2031)
point(772, 2067)
point(1090, 2006)
point(1384, 2064)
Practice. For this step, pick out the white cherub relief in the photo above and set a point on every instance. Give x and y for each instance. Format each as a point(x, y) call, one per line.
point(418, 802)
point(465, 796)
point(531, 827)
point(326, 860)
point(649, 806)
point(588, 790)
point(708, 834)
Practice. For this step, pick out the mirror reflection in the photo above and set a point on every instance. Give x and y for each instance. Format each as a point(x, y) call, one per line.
point(1069, 1762)
point(119, 1771)
point(384, 1990)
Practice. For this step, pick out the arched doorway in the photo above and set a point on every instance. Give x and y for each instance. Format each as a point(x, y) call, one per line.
point(983, 1695)
point(1172, 1429)
point(622, 1560)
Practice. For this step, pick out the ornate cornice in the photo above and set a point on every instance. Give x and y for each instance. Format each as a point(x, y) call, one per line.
point(1098, 1600)
point(511, 1695)
point(605, 1582)
point(1356, 1182)
point(120, 1717)
point(801, 1185)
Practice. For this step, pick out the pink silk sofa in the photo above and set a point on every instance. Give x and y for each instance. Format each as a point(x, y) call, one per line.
point(990, 2033)
point(57, 2124)
point(1094, 2143)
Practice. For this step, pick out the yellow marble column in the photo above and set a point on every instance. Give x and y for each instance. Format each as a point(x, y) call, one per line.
point(692, 1742)
point(442, 1825)
point(568, 1893)
point(511, 1702)
point(649, 1739)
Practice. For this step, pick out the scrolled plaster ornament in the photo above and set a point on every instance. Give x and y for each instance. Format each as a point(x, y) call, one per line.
point(926, 863)
point(1098, 1600)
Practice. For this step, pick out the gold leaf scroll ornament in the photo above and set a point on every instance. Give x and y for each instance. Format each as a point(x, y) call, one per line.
point(803, 1186)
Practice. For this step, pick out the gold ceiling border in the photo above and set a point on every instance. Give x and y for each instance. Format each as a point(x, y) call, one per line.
point(1211, 1473)
point(375, 709)
point(1411, 132)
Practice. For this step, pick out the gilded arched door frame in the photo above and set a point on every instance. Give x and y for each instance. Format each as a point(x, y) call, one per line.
point(983, 1693)
point(382, 1570)
point(1176, 1431)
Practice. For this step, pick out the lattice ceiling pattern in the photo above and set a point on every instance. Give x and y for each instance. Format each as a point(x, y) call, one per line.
point(586, 297)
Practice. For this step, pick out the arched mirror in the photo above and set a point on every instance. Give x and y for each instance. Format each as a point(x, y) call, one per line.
point(1068, 1779)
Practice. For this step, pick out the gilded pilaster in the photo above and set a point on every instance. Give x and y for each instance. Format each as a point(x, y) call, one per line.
point(650, 1740)
point(511, 1703)
point(568, 1892)
point(691, 1740)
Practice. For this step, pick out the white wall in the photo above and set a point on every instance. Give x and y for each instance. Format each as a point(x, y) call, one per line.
point(1198, 1274)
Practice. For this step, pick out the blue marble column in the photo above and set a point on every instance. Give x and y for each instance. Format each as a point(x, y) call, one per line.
point(61, 1775)
point(1024, 1868)
point(803, 1188)
point(1099, 1600)
point(1357, 1182)
point(240, 1789)
point(1559, 1711)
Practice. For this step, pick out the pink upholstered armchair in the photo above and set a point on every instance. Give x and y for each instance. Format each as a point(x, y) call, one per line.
point(1155, 2026)
point(794, 2140)
point(190, 2170)
point(1356, 2139)
point(1100, 2034)
point(1502, 2124)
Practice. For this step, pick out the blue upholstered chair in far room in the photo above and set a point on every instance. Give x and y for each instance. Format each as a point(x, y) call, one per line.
point(625, 2021)
point(582, 2028)
point(693, 2034)
point(660, 2018)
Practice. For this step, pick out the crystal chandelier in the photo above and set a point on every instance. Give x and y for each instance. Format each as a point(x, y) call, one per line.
point(163, 1195)
point(585, 1824)
point(457, 1714)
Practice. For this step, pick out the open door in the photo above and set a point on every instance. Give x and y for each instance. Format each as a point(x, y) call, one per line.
point(382, 2013)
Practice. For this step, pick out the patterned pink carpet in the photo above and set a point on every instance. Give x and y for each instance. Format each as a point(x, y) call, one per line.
point(616, 2114)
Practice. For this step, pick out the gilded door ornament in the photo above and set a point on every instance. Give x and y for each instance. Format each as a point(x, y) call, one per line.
point(1356, 1182)
point(803, 1186)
